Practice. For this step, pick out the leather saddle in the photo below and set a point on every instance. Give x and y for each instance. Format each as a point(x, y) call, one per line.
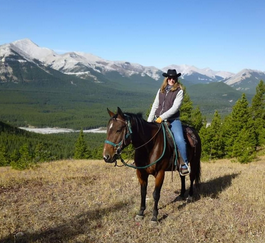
point(191, 141)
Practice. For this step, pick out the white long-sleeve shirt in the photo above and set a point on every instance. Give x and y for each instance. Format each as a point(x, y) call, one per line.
point(170, 112)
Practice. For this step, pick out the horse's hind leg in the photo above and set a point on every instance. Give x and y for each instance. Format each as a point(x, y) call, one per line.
point(192, 178)
point(156, 194)
point(143, 179)
point(191, 190)
point(183, 187)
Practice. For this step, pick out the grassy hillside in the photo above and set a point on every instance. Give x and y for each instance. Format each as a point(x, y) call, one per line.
point(85, 201)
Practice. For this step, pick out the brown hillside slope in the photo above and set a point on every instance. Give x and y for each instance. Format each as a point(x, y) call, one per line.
point(90, 201)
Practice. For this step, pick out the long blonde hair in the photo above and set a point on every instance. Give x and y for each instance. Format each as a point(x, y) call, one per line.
point(165, 83)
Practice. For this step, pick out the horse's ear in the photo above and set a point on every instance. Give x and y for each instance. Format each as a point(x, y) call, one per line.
point(119, 112)
point(110, 113)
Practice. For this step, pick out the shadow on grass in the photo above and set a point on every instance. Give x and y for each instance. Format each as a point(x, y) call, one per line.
point(211, 188)
point(80, 224)
point(214, 187)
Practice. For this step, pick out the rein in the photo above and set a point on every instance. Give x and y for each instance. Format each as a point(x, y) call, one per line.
point(128, 124)
point(149, 139)
point(164, 137)
point(164, 149)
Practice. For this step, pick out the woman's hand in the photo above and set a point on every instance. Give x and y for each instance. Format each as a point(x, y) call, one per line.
point(158, 120)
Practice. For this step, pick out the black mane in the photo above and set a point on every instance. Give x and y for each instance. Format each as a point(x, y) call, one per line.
point(140, 123)
point(139, 114)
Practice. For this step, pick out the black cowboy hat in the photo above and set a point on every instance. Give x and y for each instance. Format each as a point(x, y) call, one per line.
point(171, 73)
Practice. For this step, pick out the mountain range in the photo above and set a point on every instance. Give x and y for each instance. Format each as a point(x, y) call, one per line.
point(88, 66)
point(25, 67)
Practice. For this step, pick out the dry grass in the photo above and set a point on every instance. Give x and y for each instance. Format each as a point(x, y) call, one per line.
point(90, 201)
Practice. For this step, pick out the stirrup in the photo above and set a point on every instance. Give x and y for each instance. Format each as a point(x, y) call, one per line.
point(186, 171)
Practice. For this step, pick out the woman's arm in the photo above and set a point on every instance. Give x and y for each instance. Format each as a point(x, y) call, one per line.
point(154, 107)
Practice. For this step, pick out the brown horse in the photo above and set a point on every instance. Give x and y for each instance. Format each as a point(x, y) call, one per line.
point(154, 153)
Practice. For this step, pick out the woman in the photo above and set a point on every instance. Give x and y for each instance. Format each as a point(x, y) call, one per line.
point(166, 107)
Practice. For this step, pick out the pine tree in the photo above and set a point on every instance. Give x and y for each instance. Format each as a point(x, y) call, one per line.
point(42, 153)
point(80, 147)
point(212, 140)
point(215, 131)
point(227, 131)
point(240, 113)
point(25, 159)
point(197, 120)
point(4, 159)
point(235, 126)
point(186, 108)
point(258, 113)
point(14, 157)
point(206, 142)
point(258, 102)
point(244, 146)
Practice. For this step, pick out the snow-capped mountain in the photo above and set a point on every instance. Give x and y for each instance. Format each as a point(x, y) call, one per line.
point(198, 75)
point(245, 74)
point(88, 66)
point(246, 80)
point(77, 63)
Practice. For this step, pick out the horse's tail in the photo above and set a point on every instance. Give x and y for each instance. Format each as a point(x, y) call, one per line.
point(197, 159)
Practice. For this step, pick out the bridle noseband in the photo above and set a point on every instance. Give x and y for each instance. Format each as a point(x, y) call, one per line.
point(118, 146)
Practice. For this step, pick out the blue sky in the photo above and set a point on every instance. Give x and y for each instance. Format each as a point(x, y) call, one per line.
point(224, 35)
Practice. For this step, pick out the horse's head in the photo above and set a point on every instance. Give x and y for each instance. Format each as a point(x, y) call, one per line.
point(118, 135)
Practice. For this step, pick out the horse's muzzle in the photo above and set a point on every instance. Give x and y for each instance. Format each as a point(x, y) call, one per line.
point(109, 159)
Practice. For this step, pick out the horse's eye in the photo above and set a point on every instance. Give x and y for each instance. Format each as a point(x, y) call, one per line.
point(119, 130)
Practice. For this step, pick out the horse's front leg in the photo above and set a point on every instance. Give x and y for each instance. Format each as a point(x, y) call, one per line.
point(143, 179)
point(156, 194)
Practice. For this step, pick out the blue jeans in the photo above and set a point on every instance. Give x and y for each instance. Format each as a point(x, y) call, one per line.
point(176, 128)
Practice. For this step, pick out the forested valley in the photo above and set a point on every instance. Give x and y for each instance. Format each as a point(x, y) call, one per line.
point(239, 135)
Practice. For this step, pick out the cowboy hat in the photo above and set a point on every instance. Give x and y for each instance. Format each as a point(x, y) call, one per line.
point(171, 73)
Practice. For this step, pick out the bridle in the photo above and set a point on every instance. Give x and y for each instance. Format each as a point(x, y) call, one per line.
point(118, 146)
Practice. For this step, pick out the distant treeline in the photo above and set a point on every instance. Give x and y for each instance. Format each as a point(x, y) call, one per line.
point(22, 149)
point(62, 104)
point(238, 135)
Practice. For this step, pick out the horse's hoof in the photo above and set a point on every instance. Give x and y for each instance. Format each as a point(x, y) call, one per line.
point(179, 198)
point(189, 199)
point(153, 222)
point(139, 217)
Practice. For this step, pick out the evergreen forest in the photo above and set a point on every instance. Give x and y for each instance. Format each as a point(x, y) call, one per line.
point(239, 134)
